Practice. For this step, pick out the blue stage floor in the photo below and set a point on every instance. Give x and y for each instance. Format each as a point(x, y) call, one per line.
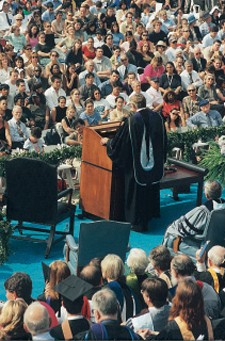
point(27, 256)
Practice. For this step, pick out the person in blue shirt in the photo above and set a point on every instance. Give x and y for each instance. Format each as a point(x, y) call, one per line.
point(90, 117)
point(48, 15)
point(206, 117)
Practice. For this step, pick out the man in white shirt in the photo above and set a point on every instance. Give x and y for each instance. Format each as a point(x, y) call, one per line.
point(209, 38)
point(189, 76)
point(136, 86)
point(116, 91)
point(54, 92)
point(14, 75)
point(155, 95)
point(6, 18)
point(18, 129)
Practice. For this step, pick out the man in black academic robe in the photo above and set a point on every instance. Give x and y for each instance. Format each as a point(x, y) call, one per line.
point(139, 148)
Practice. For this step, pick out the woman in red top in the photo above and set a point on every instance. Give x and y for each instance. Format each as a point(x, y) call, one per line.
point(89, 50)
point(170, 102)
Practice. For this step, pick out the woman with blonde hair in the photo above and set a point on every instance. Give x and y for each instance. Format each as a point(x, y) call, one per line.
point(59, 271)
point(11, 320)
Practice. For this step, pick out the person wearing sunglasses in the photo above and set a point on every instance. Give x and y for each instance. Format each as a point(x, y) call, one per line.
point(191, 102)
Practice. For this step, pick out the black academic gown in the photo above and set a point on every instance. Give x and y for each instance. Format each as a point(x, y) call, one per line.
point(77, 326)
point(142, 192)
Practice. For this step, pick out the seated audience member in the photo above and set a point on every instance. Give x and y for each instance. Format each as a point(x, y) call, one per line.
point(54, 92)
point(11, 320)
point(182, 267)
point(160, 259)
point(119, 113)
point(27, 116)
point(137, 262)
point(18, 129)
point(34, 143)
point(101, 106)
point(205, 118)
point(113, 272)
point(76, 101)
point(171, 102)
point(116, 91)
point(187, 320)
point(190, 76)
point(90, 116)
point(175, 121)
point(19, 285)
point(214, 273)
point(209, 92)
point(86, 90)
point(155, 317)
point(69, 132)
point(155, 95)
point(37, 78)
point(106, 315)
point(106, 87)
point(89, 68)
point(154, 69)
point(58, 271)
point(136, 86)
point(91, 274)
point(195, 221)
point(39, 109)
point(127, 85)
point(5, 137)
point(59, 112)
point(37, 322)
point(191, 102)
point(126, 67)
point(103, 65)
point(72, 290)
point(170, 80)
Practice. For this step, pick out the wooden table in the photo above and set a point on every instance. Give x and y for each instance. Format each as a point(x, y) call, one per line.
point(185, 174)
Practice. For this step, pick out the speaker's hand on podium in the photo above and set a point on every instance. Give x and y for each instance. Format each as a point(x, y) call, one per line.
point(104, 141)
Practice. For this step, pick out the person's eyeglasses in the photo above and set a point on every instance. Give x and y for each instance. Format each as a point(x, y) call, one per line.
point(210, 79)
point(34, 56)
point(28, 48)
point(48, 26)
point(197, 53)
point(174, 42)
point(54, 55)
point(97, 93)
point(37, 16)
point(169, 67)
point(191, 90)
point(123, 60)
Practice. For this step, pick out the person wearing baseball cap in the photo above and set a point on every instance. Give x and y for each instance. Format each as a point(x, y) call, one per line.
point(206, 117)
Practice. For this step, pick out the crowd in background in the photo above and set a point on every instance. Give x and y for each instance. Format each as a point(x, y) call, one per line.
point(69, 64)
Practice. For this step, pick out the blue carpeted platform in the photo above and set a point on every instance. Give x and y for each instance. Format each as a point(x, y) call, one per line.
point(27, 256)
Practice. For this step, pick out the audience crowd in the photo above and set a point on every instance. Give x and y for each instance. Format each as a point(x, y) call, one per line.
point(61, 61)
point(159, 297)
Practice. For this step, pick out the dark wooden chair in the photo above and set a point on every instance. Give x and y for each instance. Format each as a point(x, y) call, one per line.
point(96, 239)
point(32, 197)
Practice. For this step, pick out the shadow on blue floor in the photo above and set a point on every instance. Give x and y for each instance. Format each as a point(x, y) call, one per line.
point(27, 256)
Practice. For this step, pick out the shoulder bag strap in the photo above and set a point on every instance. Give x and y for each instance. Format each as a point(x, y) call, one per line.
point(185, 332)
point(67, 333)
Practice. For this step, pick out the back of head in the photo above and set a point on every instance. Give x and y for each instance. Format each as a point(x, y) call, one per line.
point(91, 274)
point(112, 267)
point(213, 189)
point(105, 302)
point(36, 319)
point(21, 284)
point(160, 257)
point(139, 100)
point(137, 261)
point(11, 318)
point(182, 265)
point(157, 290)
point(217, 255)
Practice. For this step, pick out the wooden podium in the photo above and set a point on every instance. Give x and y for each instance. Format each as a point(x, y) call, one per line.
point(101, 183)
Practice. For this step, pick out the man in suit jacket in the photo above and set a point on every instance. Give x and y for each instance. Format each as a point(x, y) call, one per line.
point(199, 63)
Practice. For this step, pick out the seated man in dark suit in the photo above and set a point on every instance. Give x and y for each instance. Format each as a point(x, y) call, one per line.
point(199, 63)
